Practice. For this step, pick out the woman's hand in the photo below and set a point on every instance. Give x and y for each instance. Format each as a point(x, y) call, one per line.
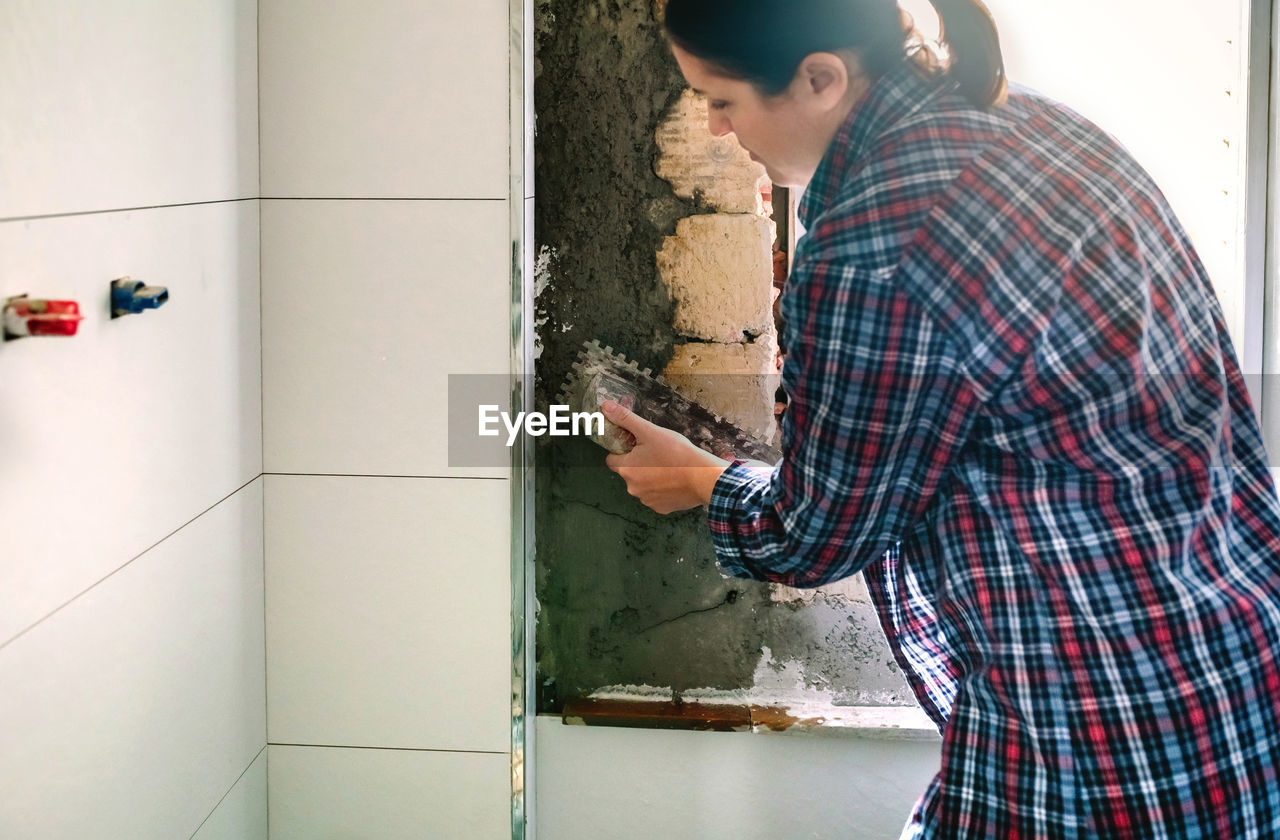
point(664, 471)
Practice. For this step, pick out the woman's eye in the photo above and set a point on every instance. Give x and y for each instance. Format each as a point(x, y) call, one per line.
point(717, 105)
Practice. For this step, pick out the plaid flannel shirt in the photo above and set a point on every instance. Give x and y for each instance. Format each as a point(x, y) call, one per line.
point(1016, 408)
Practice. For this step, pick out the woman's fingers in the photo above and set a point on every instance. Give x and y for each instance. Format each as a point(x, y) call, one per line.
point(620, 415)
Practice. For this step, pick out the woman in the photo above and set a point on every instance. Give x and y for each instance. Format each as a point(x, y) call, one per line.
point(1015, 407)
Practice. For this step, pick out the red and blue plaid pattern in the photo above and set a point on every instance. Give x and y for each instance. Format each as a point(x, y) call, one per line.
point(1015, 406)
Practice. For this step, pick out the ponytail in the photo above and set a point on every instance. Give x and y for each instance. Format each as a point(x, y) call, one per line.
point(975, 64)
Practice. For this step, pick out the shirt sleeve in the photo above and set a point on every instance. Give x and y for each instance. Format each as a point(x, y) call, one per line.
point(879, 410)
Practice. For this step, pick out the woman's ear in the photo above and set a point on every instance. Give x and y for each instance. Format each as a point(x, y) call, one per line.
point(824, 77)
point(828, 79)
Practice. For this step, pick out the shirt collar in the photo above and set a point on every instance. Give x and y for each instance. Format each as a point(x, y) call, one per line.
point(892, 98)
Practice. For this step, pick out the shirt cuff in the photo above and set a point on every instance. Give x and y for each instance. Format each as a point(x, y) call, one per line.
point(734, 499)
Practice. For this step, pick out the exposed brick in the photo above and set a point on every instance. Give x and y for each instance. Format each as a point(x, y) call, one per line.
point(719, 270)
point(737, 381)
point(718, 169)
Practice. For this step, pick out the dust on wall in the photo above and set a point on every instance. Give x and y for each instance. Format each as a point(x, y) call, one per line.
point(630, 601)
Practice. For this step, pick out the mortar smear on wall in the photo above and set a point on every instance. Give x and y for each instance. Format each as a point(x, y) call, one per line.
point(541, 281)
point(629, 600)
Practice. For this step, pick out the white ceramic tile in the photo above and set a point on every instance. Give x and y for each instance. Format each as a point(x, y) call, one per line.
point(368, 306)
point(389, 99)
point(126, 103)
point(115, 438)
point(132, 711)
point(342, 794)
point(637, 784)
point(243, 814)
point(388, 612)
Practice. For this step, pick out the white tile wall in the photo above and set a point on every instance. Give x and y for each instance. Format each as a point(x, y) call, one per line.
point(242, 815)
point(340, 794)
point(393, 99)
point(388, 596)
point(126, 103)
point(132, 711)
point(635, 784)
point(135, 708)
point(368, 306)
point(388, 612)
point(115, 438)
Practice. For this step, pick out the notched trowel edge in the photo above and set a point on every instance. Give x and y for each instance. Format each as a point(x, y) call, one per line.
point(600, 375)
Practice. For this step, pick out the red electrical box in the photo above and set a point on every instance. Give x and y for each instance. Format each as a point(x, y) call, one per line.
point(24, 316)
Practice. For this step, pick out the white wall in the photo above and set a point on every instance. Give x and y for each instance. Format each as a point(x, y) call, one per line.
point(131, 575)
point(1169, 80)
point(386, 267)
point(636, 784)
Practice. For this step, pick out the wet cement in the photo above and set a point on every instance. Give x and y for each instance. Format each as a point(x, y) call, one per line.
point(628, 597)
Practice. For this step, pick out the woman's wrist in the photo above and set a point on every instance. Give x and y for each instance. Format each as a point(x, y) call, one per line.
point(703, 478)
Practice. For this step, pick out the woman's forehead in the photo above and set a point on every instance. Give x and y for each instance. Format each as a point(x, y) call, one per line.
point(701, 76)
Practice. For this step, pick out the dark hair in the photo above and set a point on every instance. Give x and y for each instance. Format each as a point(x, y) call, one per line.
point(764, 41)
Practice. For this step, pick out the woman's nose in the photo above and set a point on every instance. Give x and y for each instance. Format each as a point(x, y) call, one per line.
point(718, 125)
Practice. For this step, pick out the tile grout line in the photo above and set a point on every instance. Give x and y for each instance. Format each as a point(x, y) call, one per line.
point(390, 749)
point(375, 198)
point(262, 431)
point(124, 565)
point(364, 475)
point(209, 816)
point(77, 213)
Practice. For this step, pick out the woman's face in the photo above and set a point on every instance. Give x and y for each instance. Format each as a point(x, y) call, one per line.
point(776, 130)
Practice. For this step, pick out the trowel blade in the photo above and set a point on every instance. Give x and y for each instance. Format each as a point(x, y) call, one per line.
point(600, 374)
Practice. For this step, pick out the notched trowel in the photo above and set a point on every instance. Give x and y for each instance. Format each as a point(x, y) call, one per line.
point(600, 375)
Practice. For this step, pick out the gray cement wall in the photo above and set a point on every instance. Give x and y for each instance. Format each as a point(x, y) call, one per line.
point(627, 598)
